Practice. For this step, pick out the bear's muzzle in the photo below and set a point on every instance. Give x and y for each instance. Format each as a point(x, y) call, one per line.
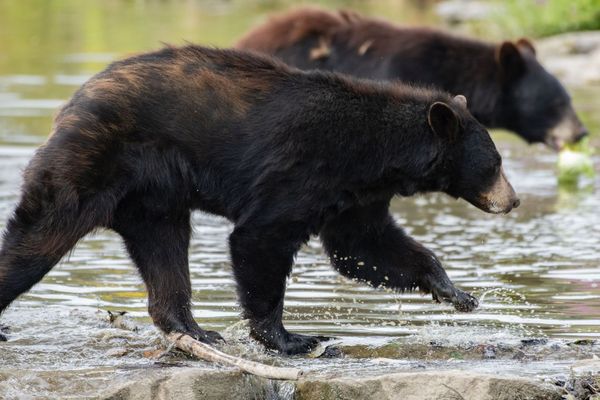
point(500, 198)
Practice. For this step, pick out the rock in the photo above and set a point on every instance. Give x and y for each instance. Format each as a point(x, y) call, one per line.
point(574, 57)
point(580, 386)
point(197, 383)
point(489, 352)
point(396, 368)
point(426, 385)
point(534, 341)
point(584, 342)
point(117, 352)
point(120, 320)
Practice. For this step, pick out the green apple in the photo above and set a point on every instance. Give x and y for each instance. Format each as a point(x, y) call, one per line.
point(574, 161)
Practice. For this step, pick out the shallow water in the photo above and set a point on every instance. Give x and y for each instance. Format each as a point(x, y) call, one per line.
point(536, 270)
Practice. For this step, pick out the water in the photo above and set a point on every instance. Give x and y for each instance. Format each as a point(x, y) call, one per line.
point(536, 270)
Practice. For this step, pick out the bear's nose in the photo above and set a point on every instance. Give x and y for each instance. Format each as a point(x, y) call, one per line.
point(516, 203)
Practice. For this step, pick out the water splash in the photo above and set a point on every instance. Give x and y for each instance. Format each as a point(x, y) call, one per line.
point(504, 296)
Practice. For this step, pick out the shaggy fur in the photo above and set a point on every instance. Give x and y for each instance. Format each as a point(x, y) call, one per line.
point(505, 84)
point(283, 154)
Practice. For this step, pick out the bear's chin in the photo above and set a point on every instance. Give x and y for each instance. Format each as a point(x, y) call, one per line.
point(491, 208)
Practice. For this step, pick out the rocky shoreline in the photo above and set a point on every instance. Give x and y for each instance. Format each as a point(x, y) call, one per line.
point(573, 57)
point(133, 361)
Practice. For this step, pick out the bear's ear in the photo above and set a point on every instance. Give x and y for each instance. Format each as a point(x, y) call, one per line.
point(443, 120)
point(526, 44)
point(460, 99)
point(510, 59)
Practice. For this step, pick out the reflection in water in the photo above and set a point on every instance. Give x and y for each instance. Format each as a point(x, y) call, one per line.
point(536, 270)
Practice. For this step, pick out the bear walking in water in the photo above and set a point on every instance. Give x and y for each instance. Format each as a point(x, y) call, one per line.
point(505, 84)
point(283, 154)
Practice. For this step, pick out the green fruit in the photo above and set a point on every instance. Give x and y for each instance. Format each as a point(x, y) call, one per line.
point(575, 161)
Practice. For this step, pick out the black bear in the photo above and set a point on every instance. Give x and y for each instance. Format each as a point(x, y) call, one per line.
point(505, 84)
point(283, 154)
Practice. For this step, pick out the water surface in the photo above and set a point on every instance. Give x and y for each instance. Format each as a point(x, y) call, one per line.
point(536, 270)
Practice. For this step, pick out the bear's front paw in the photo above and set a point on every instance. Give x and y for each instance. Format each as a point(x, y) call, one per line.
point(462, 301)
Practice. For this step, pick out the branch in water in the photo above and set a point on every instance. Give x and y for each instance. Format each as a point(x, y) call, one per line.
point(208, 353)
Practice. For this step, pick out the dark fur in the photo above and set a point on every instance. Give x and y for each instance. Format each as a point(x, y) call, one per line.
point(283, 154)
point(505, 84)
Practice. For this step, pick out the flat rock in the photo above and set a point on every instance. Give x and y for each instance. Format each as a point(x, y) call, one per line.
point(191, 383)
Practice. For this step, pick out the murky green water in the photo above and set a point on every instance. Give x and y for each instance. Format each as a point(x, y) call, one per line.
point(537, 270)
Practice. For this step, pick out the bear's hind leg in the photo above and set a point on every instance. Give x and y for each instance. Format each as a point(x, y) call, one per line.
point(36, 238)
point(158, 244)
point(365, 243)
point(262, 260)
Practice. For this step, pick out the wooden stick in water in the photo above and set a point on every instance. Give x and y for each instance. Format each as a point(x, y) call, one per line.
point(208, 353)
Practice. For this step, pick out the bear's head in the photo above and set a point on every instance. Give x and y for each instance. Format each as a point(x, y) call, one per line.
point(472, 167)
point(533, 103)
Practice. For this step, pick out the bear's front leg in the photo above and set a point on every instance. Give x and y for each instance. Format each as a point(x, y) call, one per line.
point(366, 244)
point(262, 260)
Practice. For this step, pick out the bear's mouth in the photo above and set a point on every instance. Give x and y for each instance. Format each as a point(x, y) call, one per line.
point(568, 130)
point(492, 207)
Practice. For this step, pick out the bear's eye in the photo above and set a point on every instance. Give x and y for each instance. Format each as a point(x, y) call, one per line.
point(493, 171)
point(558, 104)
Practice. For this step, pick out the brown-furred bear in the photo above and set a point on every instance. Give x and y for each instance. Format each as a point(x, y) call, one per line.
point(504, 82)
point(283, 154)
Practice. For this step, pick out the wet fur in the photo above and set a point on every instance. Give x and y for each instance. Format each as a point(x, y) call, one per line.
point(504, 90)
point(281, 153)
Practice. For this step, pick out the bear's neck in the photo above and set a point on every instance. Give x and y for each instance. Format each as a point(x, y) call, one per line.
point(459, 66)
point(389, 148)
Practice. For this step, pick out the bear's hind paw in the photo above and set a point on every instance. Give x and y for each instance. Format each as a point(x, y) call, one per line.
point(208, 337)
